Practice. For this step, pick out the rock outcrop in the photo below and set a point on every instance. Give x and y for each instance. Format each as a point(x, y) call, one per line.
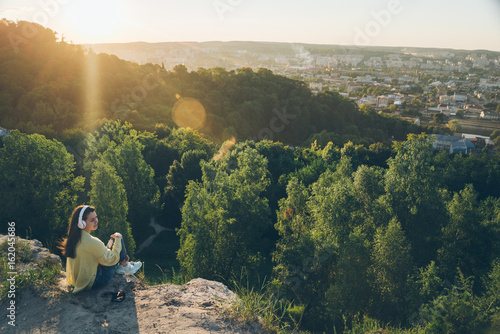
point(195, 307)
point(38, 252)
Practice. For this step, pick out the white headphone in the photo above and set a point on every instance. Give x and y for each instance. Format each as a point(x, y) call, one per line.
point(81, 222)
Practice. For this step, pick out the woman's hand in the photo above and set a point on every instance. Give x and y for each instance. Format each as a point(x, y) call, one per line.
point(124, 262)
point(116, 235)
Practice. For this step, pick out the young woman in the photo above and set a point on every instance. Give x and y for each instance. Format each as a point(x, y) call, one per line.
point(89, 263)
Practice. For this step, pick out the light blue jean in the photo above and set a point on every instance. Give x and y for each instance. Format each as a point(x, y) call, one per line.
point(105, 273)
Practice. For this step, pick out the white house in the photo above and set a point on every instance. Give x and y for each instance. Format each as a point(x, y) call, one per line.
point(370, 100)
point(316, 86)
point(459, 98)
point(453, 144)
point(3, 132)
point(489, 115)
point(382, 101)
point(445, 99)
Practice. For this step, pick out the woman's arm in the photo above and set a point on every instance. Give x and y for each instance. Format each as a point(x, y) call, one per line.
point(105, 256)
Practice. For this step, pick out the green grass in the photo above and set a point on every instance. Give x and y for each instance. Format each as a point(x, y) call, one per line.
point(42, 277)
point(168, 276)
point(264, 305)
point(160, 263)
point(372, 326)
point(39, 277)
point(23, 250)
point(283, 317)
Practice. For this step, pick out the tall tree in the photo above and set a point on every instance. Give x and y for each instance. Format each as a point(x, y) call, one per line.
point(174, 195)
point(138, 179)
point(391, 269)
point(37, 187)
point(467, 243)
point(351, 291)
point(414, 197)
point(224, 217)
point(108, 196)
point(296, 241)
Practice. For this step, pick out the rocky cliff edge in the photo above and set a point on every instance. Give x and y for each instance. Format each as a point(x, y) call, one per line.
point(198, 306)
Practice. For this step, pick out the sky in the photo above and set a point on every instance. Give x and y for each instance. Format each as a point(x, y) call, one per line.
point(456, 24)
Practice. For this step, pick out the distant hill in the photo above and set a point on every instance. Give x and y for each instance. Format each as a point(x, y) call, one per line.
point(272, 48)
point(254, 54)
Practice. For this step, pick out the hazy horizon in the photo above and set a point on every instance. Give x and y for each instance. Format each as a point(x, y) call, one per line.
point(443, 24)
point(292, 43)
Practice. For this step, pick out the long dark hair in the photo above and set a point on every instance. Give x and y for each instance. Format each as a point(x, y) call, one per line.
point(68, 245)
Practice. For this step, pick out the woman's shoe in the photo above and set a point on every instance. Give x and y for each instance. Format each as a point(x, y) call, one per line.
point(136, 266)
point(130, 268)
point(122, 270)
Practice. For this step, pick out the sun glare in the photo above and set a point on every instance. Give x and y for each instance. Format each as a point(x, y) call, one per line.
point(189, 113)
point(93, 20)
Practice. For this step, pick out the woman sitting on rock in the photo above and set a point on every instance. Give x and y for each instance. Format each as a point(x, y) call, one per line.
point(89, 263)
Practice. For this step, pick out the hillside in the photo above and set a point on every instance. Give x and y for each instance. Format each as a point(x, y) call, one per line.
point(61, 88)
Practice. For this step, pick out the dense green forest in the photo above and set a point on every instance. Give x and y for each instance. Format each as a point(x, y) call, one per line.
point(332, 214)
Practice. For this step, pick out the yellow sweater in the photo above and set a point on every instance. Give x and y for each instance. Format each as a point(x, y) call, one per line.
point(90, 252)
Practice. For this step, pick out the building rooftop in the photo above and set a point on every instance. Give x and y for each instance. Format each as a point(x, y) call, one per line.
point(3, 132)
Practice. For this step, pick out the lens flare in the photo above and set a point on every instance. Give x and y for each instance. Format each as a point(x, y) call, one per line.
point(288, 213)
point(92, 89)
point(189, 113)
point(224, 148)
